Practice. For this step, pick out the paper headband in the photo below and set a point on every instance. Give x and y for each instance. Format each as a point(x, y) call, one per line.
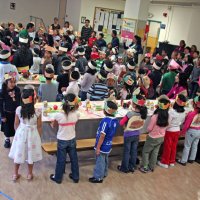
point(130, 66)
point(128, 80)
point(63, 49)
point(138, 102)
point(48, 75)
point(75, 102)
point(23, 40)
point(10, 75)
point(5, 56)
point(163, 106)
point(109, 110)
point(101, 77)
point(28, 100)
point(156, 66)
point(180, 102)
point(107, 69)
point(91, 66)
point(196, 101)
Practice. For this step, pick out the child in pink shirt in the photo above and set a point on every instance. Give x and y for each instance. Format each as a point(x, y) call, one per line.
point(156, 128)
point(191, 130)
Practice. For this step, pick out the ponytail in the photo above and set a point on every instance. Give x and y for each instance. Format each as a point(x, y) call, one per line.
point(143, 111)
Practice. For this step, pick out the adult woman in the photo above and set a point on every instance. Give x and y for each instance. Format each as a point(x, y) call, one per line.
point(188, 65)
point(180, 86)
point(181, 46)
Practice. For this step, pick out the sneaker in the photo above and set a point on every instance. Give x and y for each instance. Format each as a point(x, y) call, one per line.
point(172, 165)
point(144, 169)
point(71, 177)
point(94, 180)
point(181, 163)
point(162, 165)
point(52, 177)
point(7, 143)
point(190, 161)
point(120, 169)
point(132, 170)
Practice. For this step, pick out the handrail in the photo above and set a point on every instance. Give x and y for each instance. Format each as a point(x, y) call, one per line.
point(41, 22)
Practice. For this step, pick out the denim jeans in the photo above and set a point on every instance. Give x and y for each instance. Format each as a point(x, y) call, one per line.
point(101, 166)
point(194, 88)
point(83, 95)
point(190, 146)
point(129, 153)
point(65, 147)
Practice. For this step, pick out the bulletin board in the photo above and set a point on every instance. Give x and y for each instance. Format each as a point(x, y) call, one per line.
point(106, 20)
point(128, 28)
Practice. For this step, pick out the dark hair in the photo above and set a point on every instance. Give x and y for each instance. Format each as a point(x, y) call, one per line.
point(4, 86)
point(49, 71)
point(142, 109)
point(23, 52)
point(87, 20)
point(111, 105)
point(94, 32)
point(67, 23)
point(142, 71)
point(101, 34)
point(20, 25)
point(183, 80)
point(182, 54)
point(183, 41)
point(163, 115)
point(28, 110)
point(91, 71)
point(29, 25)
point(188, 48)
point(66, 107)
point(194, 46)
point(190, 59)
point(197, 52)
point(114, 32)
point(138, 40)
point(180, 109)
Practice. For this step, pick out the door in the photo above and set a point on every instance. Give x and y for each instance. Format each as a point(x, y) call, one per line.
point(153, 35)
point(62, 12)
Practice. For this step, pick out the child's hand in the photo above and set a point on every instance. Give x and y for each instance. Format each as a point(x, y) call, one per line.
point(63, 89)
point(97, 152)
point(4, 120)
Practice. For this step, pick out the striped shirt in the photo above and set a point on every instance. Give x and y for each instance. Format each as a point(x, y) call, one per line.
point(99, 64)
point(98, 91)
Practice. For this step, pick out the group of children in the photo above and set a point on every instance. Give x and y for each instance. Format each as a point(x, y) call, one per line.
point(91, 70)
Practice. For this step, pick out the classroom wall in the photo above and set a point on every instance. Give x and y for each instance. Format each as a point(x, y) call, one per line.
point(181, 23)
point(46, 9)
point(73, 12)
point(88, 8)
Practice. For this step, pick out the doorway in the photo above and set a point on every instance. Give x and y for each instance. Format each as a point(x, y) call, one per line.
point(153, 35)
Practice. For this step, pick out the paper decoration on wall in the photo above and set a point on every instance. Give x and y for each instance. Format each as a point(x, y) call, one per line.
point(128, 29)
point(107, 19)
point(12, 6)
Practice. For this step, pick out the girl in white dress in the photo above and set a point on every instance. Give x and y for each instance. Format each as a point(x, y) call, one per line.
point(27, 142)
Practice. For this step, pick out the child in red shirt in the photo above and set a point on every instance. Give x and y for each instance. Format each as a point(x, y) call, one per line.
point(92, 39)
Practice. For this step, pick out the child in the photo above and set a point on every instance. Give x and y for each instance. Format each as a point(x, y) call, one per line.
point(73, 84)
point(100, 42)
point(195, 58)
point(173, 132)
point(9, 101)
point(99, 90)
point(146, 62)
point(134, 121)
point(27, 143)
point(156, 128)
point(47, 59)
point(63, 79)
point(99, 62)
point(105, 133)
point(35, 68)
point(66, 137)
point(127, 90)
point(92, 39)
point(111, 83)
point(191, 130)
point(48, 91)
point(119, 66)
point(81, 62)
point(94, 54)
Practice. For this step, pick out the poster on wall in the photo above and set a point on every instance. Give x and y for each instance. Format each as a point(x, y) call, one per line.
point(128, 29)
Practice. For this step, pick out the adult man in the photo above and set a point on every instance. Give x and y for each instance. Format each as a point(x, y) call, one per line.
point(55, 25)
point(115, 39)
point(86, 30)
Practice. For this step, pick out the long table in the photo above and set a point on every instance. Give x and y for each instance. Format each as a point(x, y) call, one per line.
point(89, 120)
